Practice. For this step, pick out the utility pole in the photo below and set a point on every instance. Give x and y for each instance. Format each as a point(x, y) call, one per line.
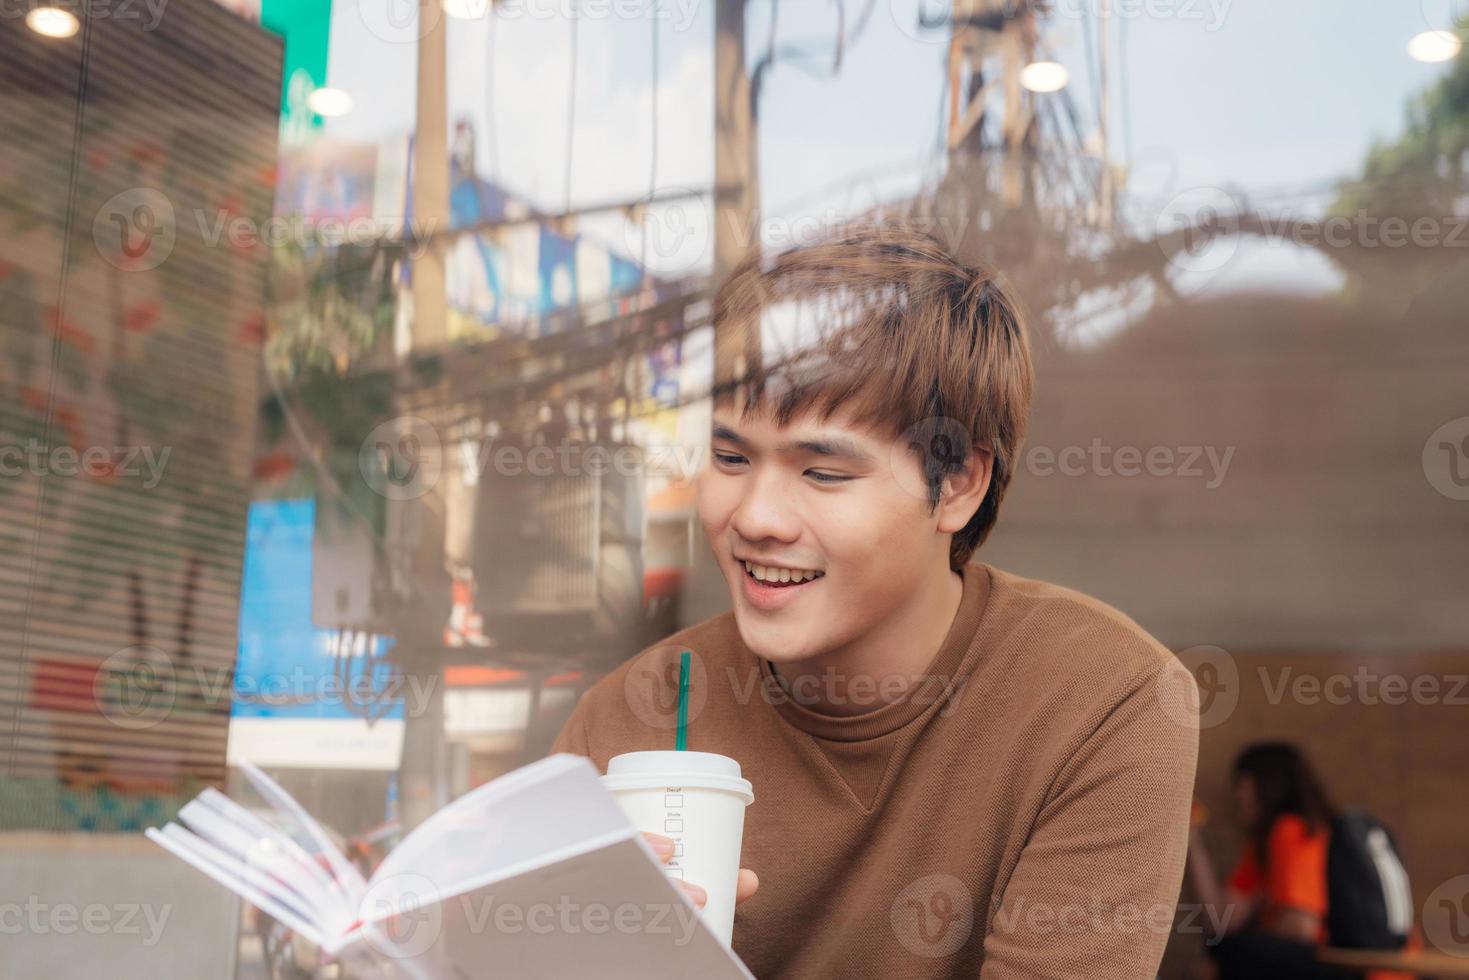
point(424, 766)
point(736, 235)
point(736, 177)
point(1104, 16)
point(983, 29)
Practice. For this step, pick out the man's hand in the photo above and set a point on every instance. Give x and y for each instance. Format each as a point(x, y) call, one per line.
point(663, 847)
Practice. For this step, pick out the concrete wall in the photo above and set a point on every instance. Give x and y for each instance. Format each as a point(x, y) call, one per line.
point(110, 905)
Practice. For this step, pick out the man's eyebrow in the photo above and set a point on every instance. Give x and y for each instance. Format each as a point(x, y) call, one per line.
point(830, 446)
point(727, 434)
point(836, 446)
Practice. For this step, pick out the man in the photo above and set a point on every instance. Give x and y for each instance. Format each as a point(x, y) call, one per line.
point(958, 771)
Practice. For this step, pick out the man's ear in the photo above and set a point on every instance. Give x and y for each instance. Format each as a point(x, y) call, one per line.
point(964, 491)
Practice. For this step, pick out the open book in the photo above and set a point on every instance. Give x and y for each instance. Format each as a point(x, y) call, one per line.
point(536, 874)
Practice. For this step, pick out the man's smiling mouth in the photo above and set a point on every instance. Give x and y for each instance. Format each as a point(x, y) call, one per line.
point(775, 577)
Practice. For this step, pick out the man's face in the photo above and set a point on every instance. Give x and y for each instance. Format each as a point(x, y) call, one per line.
point(830, 498)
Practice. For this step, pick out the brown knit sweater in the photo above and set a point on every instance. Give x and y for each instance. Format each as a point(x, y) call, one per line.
point(1023, 812)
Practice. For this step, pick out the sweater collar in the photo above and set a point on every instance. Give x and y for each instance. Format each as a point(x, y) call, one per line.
point(928, 694)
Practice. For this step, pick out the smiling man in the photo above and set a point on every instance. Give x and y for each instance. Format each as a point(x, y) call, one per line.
point(958, 771)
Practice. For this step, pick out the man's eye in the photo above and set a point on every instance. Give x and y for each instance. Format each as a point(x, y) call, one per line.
point(820, 477)
point(729, 460)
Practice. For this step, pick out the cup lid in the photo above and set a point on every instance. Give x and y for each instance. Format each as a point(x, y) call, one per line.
point(639, 770)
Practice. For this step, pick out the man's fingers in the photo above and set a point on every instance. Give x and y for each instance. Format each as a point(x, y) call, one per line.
point(662, 846)
point(746, 886)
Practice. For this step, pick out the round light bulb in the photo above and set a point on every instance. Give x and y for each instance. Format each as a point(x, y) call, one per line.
point(329, 102)
point(1044, 76)
point(53, 22)
point(1431, 47)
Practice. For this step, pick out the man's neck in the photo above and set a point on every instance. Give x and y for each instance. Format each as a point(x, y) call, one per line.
point(878, 667)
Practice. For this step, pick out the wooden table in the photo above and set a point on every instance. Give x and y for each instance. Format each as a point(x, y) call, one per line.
point(1429, 963)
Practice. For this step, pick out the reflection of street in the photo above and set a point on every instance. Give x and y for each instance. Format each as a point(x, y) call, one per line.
point(251, 962)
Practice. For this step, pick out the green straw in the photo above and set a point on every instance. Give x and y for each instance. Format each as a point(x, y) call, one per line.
point(681, 736)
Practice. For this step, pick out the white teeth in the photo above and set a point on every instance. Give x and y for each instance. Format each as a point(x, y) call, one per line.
point(766, 573)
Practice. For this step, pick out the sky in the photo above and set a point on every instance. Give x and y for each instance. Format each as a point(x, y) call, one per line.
point(1256, 97)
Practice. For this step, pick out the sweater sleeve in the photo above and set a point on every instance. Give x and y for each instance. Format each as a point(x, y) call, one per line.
point(573, 736)
point(1094, 890)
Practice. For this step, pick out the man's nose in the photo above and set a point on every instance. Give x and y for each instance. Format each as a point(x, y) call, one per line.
point(766, 511)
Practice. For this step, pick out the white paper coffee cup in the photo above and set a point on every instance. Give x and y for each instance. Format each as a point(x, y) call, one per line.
point(698, 799)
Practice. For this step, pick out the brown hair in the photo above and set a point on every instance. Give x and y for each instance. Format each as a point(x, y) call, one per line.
point(909, 341)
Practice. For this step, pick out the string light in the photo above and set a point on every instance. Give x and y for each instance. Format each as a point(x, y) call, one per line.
point(1044, 76)
point(52, 22)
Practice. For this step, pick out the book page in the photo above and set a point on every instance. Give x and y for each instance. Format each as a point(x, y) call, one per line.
point(524, 819)
point(609, 913)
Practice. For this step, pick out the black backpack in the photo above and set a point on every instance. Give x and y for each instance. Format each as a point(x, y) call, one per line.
point(1369, 904)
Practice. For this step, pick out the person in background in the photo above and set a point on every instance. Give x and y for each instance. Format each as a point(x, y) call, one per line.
point(1269, 916)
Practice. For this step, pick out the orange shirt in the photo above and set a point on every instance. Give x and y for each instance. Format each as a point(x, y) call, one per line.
point(1295, 875)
